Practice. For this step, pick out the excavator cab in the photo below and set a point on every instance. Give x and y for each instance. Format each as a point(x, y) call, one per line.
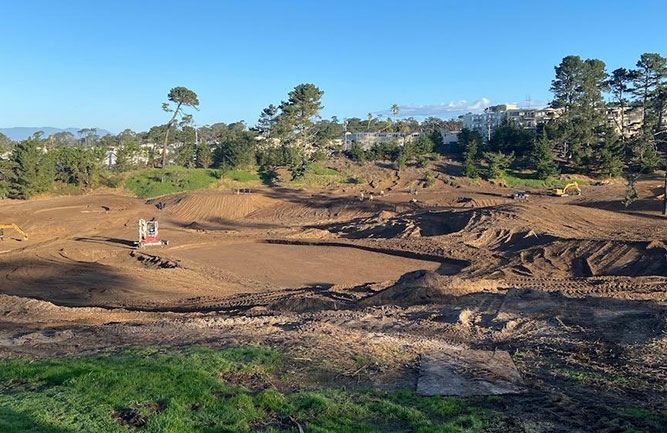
point(14, 227)
point(149, 235)
point(569, 189)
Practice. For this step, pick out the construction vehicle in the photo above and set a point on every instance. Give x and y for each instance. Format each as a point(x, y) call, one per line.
point(519, 195)
point(149, 235)
point(569, 189)
point(14, 227)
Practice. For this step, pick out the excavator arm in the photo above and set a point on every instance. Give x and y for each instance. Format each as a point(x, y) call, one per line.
point(572, 187)
point(14, 227)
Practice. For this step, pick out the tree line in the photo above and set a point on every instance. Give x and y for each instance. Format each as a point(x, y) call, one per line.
point(624, 134)
point(583, 138)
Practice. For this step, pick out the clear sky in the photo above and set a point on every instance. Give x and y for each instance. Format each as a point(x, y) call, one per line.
point(110, 64)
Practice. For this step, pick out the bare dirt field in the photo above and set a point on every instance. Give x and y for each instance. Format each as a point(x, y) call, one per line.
point(573, 288)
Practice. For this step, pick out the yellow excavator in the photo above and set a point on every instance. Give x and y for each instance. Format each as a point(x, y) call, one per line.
point(4, 227)
point(569, 189)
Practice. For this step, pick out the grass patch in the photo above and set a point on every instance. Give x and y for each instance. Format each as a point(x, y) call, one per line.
point(589, 377)
point(518, 179)
point(317, 176)
point(200, 389)
point(655, 418)
point(156, 182)
point(243, 176)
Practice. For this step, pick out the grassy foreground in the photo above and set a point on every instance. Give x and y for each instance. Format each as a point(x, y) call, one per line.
point(207, 390)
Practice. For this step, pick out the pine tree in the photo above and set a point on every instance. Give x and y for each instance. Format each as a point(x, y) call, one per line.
point(577, 90)
point(469, 165)
point(543, 159)
point(610, 156)
point(204, 155)
point(34, 170)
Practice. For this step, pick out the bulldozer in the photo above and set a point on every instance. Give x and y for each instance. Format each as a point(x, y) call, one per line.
point(14, 227)
point(569, 189)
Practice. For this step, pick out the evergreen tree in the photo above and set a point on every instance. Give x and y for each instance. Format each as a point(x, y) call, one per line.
point(236, 149)
point(498, 163)
point(577, 90)
point(644, 154)
point(33, 169)
point(204, 155)
point(543, 159)
point(185, 154)
point(126, 154)
point(77, 166)
point(470, 155)
point(610, 155)
point(7, 177)
point(357, 153)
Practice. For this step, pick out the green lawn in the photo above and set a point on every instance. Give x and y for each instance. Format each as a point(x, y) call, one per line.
point(200, 389)
point(156, 182)
point(517, 179)
point(241, 175)
point(317, 176)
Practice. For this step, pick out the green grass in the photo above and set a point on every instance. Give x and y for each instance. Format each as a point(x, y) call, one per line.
point(156, 182)
point(317, 176)
point(200, 389)
point(590, 377)
point(241, 175)
point(517, 179)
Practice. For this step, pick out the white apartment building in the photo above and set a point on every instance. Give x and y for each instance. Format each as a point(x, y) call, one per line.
point(367, 139)
point(485, 123)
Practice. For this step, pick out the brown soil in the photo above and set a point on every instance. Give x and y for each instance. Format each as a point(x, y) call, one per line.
point(567, 285)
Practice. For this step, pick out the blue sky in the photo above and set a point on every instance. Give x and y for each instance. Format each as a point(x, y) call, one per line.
point(110, 64)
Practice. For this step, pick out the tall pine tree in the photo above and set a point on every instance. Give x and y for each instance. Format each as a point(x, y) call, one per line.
point(543, 159)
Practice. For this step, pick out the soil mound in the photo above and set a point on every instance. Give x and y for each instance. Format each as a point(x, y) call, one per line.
point(416, 224)
point(209, 206)
point(423, 287)
point(587, 258)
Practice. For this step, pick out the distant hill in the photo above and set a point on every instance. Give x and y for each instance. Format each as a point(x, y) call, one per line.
point(23, 132)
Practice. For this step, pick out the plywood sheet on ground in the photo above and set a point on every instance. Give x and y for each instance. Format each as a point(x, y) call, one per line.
point(468, 372)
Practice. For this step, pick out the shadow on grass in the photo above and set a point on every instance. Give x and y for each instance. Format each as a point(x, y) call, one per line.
point(17, 422)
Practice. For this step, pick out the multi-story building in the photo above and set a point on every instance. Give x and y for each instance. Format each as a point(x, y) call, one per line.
point(626, 121)
point(449, 137)
point(367, 139)
point(530, 118)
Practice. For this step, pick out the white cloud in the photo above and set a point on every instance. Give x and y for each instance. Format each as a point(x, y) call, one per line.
point(452, 109)
point(448, 109)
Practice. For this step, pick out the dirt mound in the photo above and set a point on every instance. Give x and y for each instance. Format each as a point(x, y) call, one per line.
point(211, 206)
point(586, 258)
point(423, 287)
point(417, 224)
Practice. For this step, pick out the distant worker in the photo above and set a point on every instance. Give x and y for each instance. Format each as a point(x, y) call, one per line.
point(370, 197)
point(381, 193)
point(361, 197)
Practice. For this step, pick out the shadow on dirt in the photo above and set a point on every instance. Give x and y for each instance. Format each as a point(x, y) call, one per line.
point(62, 283)
point(425, 223)
point(644, 208)
point(225, 224)
point(106, 240)
point(616, 321)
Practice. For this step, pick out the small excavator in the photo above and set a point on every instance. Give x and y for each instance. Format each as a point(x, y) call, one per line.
point(149, 235)
point(569, 189)
point(14, 227)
